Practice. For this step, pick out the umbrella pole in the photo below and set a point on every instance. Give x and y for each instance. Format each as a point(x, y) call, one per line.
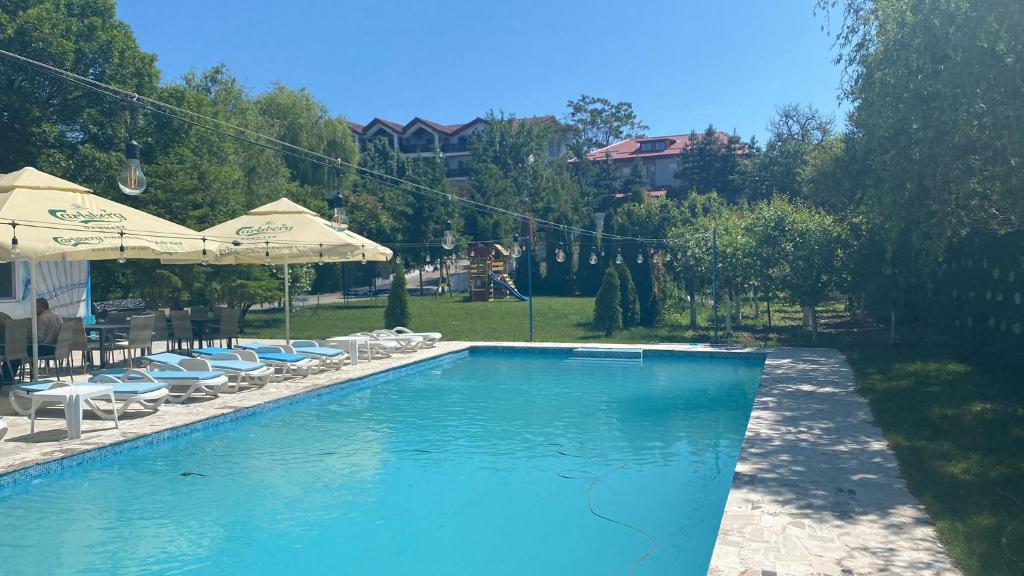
point(287, 308)
point(34, 311)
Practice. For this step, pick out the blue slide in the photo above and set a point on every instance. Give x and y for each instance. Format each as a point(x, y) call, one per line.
point(511, 289)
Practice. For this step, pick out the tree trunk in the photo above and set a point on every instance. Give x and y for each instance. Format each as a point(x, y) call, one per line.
point(693, 307)
point(768, 308)
point(728, 313)
point(892, 326)
point(814, 325)
point(860, 309)
point(421, 280)
point(739, 308)
point(807, 316)
point(757, 305)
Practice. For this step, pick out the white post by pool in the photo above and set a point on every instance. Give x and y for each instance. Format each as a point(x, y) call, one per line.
point(287, 308)
point(35, 321)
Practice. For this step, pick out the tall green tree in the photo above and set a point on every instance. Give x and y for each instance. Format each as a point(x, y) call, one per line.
point(628, 299)
point(607, 307)
point(709, 164)
point(599, 122)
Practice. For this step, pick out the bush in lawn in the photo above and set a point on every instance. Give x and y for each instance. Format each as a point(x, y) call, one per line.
point(396, 313)
point(607, 310)
point(628, 299)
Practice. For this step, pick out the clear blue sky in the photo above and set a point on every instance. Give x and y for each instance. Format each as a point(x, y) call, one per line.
point(682, 63)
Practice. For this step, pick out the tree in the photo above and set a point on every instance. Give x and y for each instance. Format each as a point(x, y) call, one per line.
point(635, 184)
point(708, 164)
point(600, 122)
point(628, 300)
point(396, 313)
point(813, 262)
point(607, 309)
point(650, 297)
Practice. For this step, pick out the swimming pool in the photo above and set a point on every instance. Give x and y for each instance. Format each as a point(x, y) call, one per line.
point(499, 462)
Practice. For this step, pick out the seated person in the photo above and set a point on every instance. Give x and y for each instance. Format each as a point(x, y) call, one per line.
point(48, 327)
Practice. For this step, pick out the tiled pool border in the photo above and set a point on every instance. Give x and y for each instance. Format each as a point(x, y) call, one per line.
point(23, 476)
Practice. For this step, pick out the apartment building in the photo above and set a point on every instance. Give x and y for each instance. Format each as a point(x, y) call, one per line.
point(421, 137)
point(656, 155)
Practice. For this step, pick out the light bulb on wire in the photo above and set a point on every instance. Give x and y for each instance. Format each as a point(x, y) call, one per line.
point(448, 242)
point(320, 262)
point(618, 256)
point(121, 258)
point(362, 259)
point(560, 252)
point(517, 251)
point(593, 257)
point(15, 248)
point(131, 180)
point(266, 254)
point(205, 259)
point(640, 257)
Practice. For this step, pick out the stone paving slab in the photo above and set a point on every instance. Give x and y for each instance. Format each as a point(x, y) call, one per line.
point(816, 491)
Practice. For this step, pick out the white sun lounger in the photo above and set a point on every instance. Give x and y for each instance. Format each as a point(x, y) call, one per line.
point(148, 394)
point(182, 383)
point(251, 371)
point(430, 337)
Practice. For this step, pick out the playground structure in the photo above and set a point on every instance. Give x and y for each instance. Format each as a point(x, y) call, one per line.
point(488, 274)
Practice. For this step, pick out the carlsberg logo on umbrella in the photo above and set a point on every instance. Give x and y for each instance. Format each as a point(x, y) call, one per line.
point(75, 241)
point(88, 216)
point(265, 229)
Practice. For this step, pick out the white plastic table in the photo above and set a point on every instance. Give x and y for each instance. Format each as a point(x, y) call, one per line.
point(71, 397)
point(351, 345)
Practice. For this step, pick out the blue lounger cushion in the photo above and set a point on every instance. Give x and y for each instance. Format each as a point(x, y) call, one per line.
point(136, 388)
point(164, 358)
point(35, 387)
point(236, 365)
point(281, 357)
point(320, 351)
point(211, 350)
point(164, 374)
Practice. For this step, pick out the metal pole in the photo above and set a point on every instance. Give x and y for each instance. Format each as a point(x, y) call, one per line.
point(714, 279)
point(35, 321)
point(529, 279)
point(287, 308)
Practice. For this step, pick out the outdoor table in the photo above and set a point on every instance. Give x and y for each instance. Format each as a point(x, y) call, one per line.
point(351, 345)
point(105, 331)
point(72, 397)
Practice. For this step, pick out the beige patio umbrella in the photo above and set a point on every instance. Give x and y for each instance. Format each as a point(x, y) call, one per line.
point(283, 232)
point(53, 219)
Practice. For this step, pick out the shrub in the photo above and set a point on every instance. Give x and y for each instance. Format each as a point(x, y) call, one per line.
point(396, 313)
point(607, 310)
point(650, 297)
point(627, 297)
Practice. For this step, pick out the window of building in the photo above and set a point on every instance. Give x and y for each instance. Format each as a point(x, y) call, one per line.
point(653, 146)
point(8, 284)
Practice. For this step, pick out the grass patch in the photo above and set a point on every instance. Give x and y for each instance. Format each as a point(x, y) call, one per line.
point(555, 320)
point(956, 423)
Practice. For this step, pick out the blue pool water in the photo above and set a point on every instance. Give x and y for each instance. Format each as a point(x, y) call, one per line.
point(482, 465)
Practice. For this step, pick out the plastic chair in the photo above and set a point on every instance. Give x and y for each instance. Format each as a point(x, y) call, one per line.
point(61, 351)
point(140, 337)
point(16, 333)
point(181, 327)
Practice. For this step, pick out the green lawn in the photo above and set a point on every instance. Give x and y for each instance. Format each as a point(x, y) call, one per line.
point(955, 420)
point(555, 320)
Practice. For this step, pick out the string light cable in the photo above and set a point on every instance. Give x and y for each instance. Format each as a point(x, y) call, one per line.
point(270, 143)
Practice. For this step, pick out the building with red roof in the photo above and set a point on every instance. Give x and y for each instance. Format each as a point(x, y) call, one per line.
point(656, 155)
point(422, 137)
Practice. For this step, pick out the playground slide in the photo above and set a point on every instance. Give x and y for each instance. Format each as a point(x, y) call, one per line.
point(511, 289)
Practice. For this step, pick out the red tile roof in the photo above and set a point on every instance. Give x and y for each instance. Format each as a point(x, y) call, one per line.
point(630, 148)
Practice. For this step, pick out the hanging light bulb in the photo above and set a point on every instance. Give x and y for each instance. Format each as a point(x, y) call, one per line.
point(363, 259)
point(131, 180)
point(593, 257)
point(656, 258)
point(517, 251)
point(679, 255)
point(15, 248)
point(448, 242)
point(668, 256)
point(640, 257)
point(398, 258)
point(428, 257)
point(560, 252)
point(618, 256)
point(266, 254)
point(205, 259)
point(320, 262)
point(121, 258)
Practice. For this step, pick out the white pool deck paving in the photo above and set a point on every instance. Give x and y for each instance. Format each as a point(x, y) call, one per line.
point(817, 490)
